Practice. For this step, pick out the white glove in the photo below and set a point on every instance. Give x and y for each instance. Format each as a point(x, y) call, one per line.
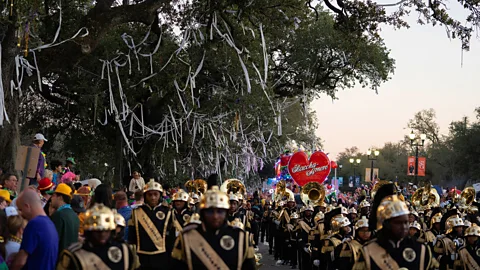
point(316, 262)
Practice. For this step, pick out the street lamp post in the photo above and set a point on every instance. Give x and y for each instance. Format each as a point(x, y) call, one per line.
point(355, 163)
point(417, 142)
point(372, 155)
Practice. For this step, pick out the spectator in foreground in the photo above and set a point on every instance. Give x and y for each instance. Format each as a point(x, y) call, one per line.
point(40, 239)
point(65, 219)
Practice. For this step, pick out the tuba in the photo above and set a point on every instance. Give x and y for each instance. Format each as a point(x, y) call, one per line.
point(201, 186)
point(197, 186)
point(282, 191)
point(190, 186)
point(313, 193)
point(468, 196)
point(426, 196)
point(233, 186)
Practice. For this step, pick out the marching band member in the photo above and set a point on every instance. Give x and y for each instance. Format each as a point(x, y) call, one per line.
point(339, 227)
point(448, 244)
point(392, 248)
point(213, 244)
point(470, 253)
point(349, 253)
point(147, 228)
point(98, 250)
point(306, 225)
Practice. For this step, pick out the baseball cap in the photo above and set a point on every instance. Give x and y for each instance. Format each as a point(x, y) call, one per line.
point(62, 189)
point(77, 204)
point(11, 211)
point(39, 137)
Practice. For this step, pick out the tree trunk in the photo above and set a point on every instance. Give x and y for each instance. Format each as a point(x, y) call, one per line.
point(118, 175)
point(9, 132)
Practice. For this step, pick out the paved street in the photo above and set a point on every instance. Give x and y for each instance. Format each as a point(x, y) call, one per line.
point(267, 260)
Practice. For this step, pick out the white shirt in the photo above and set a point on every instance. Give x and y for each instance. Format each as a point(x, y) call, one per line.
point(11, 248)
point(136, 184)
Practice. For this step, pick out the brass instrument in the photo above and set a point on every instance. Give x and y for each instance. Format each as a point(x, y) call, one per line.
point(197, 186)
point(190, 186)
point(426, 195)
point(201, 186)
point(313, 193)
point(233, 186)
point(282, 191)
point(377, 186)
point(468, 195)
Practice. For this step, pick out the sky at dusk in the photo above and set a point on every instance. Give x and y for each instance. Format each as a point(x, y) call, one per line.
point(428, 74)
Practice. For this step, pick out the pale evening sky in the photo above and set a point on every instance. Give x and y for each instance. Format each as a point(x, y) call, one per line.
point(428, 74)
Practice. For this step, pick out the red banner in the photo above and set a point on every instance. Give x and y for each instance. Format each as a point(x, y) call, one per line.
point(422, 166)
point(411, 166)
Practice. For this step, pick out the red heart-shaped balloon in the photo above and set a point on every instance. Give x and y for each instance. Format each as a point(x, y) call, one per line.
point(304, 170)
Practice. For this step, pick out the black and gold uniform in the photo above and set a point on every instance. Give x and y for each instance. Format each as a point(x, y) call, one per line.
point(347, 255)
point(179, 217)
point(434, 231)
point(447, 245)
point(225, 247)
point(109, 255)
point(470, 253)
point(392, 248)
point(305, 228)
point(339, 227)
point(147, 230)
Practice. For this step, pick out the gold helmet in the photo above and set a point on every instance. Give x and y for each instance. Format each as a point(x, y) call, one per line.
point(294, 215)
point(195, 219)
point(473, 230)
point(214, 198)
point(233, 197)
point(329, 208)
point(364, 203)
point(452, 222)
point(413, 212)
point(361, 223)
point(467, 224)
point(239, 196)
point(308, 208)
point(436, 216)
point(338, 222)
point(99, 218)
point(153, 186)
point(415, 225)
point(352, 211)
point(344, 210)
point(319, 217)
point(390, 207)
point(181, 195)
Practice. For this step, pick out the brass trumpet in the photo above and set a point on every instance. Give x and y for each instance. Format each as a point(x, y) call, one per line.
point(282, 191)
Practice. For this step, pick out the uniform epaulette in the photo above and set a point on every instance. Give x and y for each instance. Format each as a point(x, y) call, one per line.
point(190, 227)
point(75, 247)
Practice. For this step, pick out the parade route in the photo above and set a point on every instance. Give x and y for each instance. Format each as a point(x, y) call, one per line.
point(268, 262)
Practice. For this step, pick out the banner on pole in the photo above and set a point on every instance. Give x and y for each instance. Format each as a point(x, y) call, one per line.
point(411, 166)
point(422, 165)
point(368, 173)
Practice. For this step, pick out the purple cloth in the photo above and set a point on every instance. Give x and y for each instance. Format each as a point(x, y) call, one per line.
point(40, 241)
